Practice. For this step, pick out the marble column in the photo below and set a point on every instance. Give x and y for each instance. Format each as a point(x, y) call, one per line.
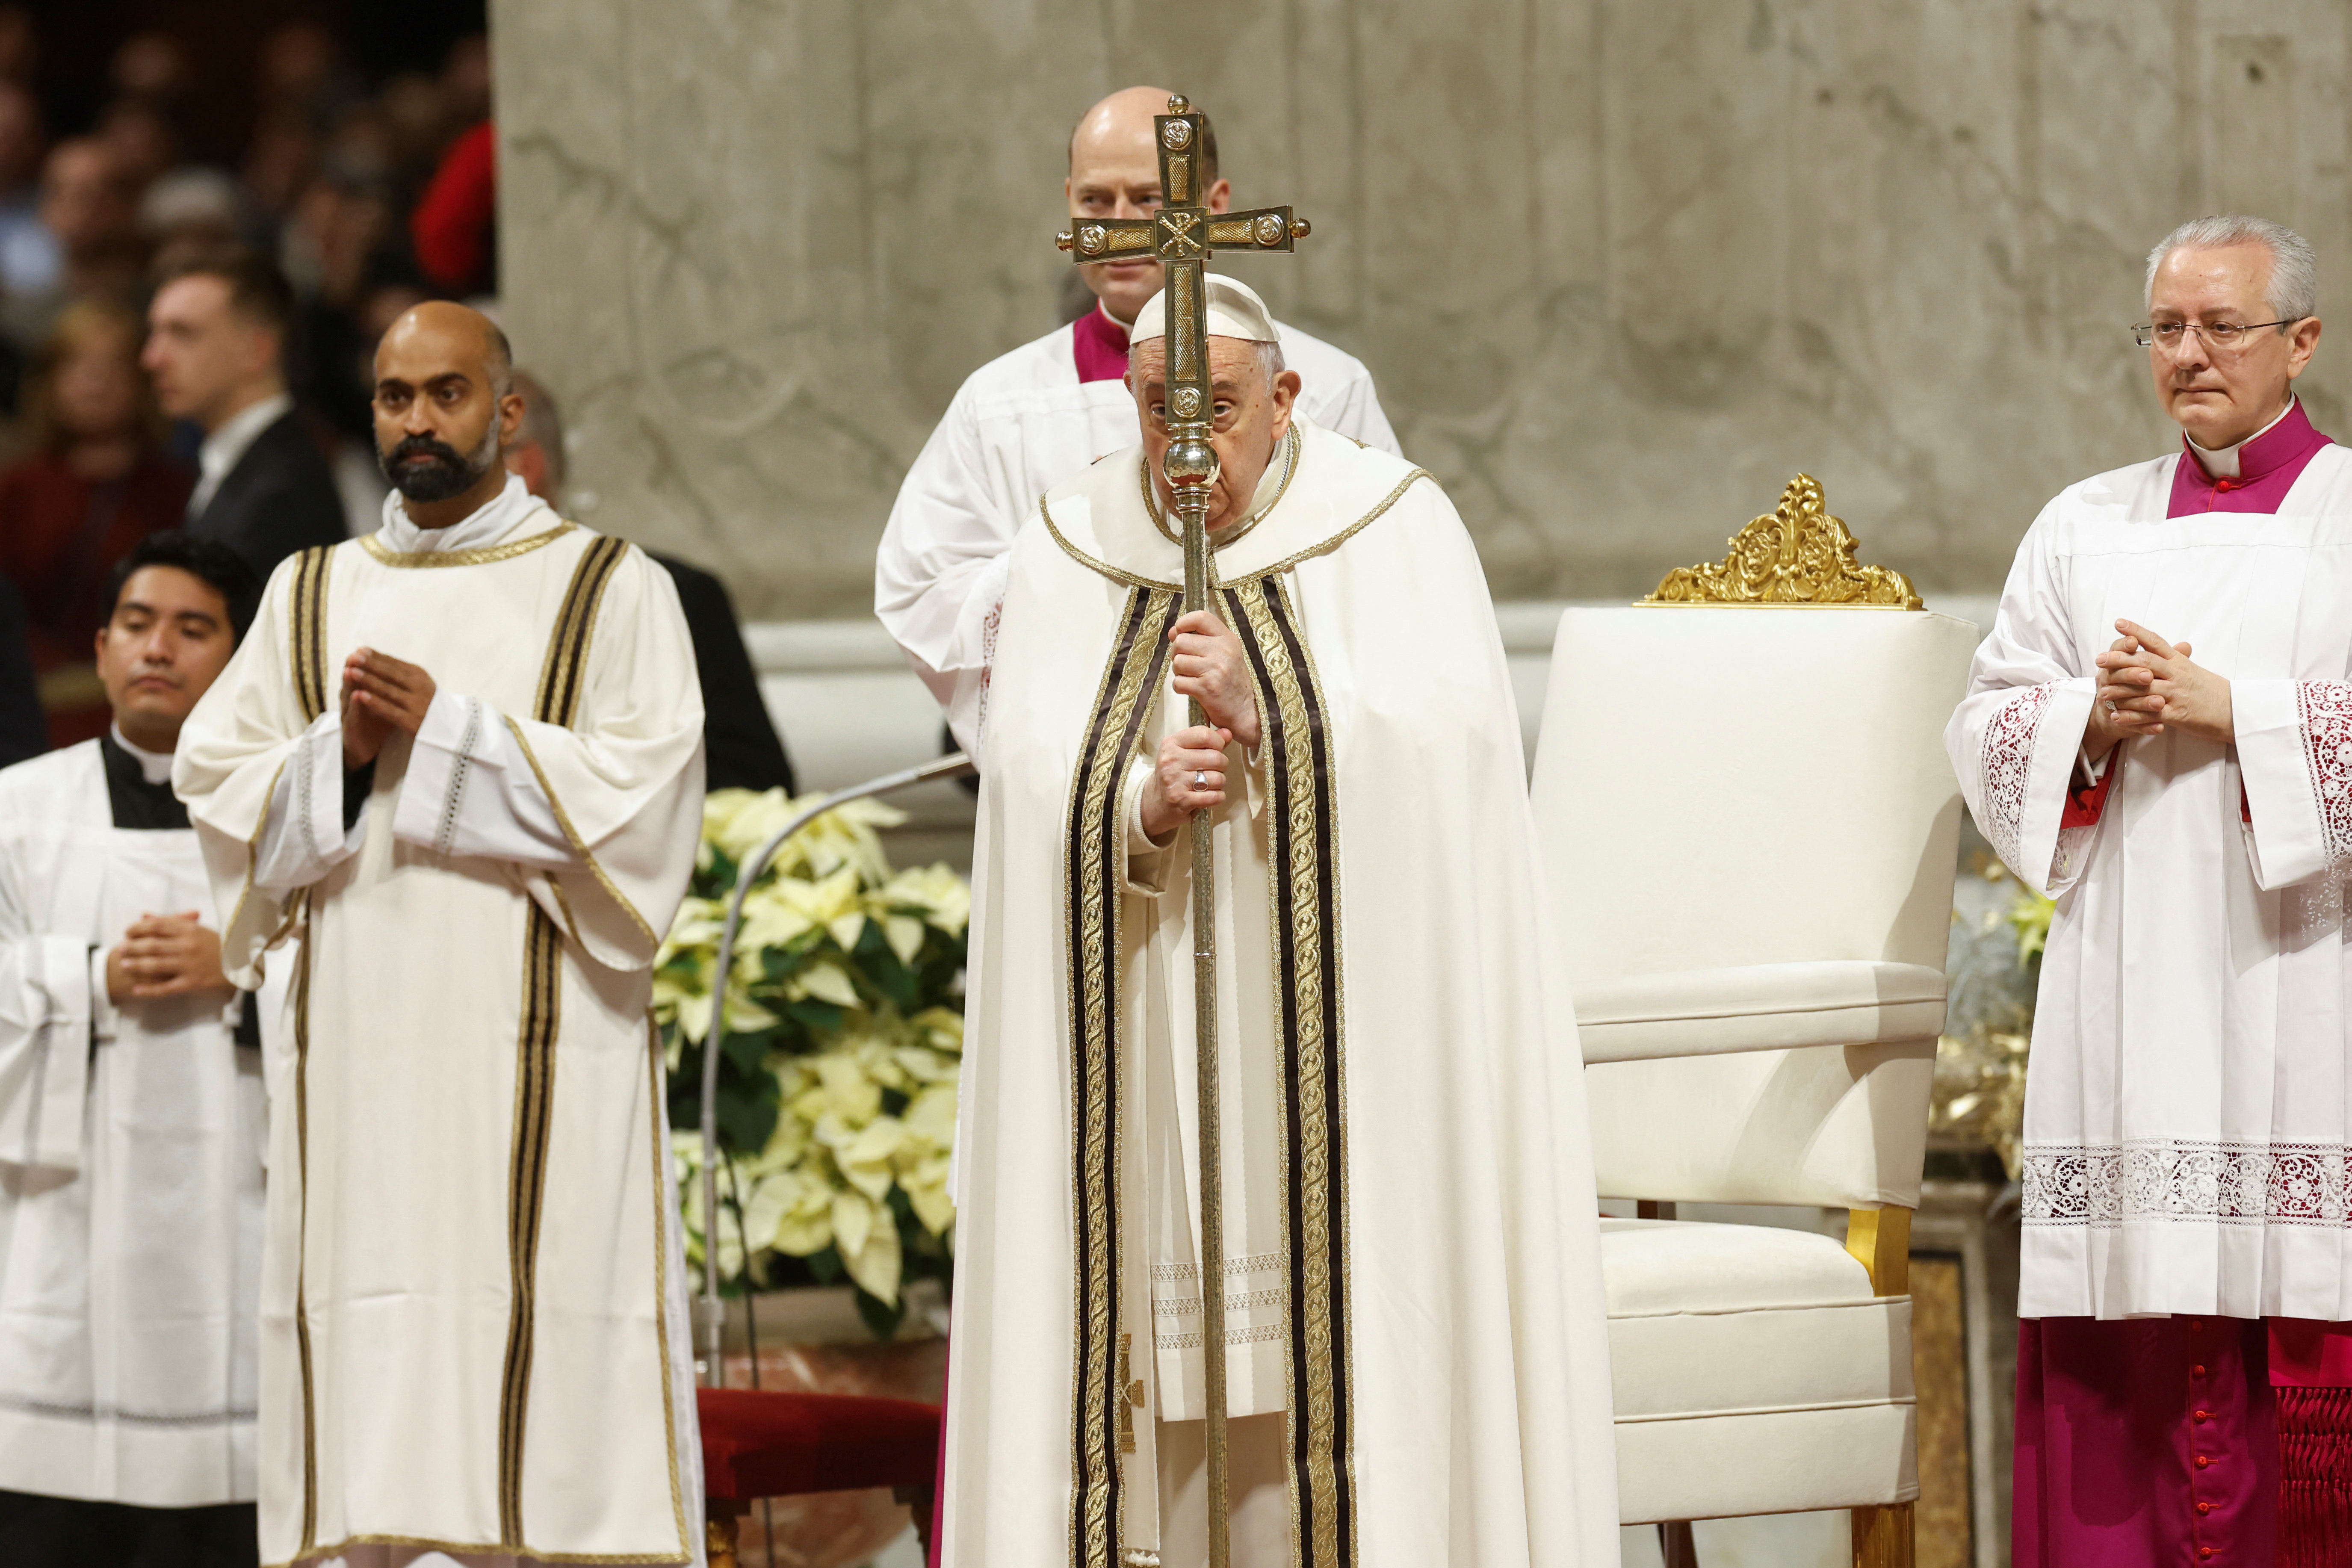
point(1622, 267)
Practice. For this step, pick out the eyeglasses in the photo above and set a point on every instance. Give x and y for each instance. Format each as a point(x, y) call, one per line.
point(2221, 337)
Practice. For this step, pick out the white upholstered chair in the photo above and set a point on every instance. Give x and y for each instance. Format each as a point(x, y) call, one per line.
point(1749, 829)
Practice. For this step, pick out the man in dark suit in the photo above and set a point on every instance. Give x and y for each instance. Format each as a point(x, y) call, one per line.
point(740, 747)
point(217, 332)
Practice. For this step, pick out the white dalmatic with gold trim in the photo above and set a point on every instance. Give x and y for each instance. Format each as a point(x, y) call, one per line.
point(1418, 1360)
point(474, 1333)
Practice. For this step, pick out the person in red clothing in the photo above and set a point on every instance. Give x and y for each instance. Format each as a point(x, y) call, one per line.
point(455, 226)
point(95, 483)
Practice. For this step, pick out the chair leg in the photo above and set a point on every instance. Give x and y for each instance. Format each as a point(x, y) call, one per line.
point(719, 1534)
point(1675, 1546)
point(1882, 1537)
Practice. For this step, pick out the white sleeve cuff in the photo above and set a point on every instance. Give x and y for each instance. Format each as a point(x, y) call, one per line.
point(101, 1005)
point(1256, 778)
point(469, 792)
point(302, 838)
point(1147, 863)
point(2279, 752)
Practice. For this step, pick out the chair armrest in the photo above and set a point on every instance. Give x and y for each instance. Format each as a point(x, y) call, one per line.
point(1758, 1007)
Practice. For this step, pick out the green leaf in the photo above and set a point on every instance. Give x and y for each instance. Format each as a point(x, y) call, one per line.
point(748, 1052)
point(821, 1018)
point(882, 1319)
point(747, 1114)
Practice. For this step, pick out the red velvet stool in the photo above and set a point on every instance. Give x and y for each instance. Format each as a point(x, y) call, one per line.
point(757, 1444)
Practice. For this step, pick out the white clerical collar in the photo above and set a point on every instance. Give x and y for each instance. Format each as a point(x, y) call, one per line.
point(155, 767)
point(224, 447)
point(2223, 464)
point(486, 525)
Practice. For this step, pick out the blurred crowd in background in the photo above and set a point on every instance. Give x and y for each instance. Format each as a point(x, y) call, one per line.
point(360, 163)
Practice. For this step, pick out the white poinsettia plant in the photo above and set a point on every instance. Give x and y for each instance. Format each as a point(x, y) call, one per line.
point(839, 1064)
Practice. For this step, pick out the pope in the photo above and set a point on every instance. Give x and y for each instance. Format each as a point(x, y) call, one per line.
point(1417, 1364)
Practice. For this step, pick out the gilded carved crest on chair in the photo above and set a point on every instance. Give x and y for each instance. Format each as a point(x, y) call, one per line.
point(1797, 553)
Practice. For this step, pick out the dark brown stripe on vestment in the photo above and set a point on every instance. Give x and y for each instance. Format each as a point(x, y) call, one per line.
point(1094, 859)
point(562, 676)
point(1304, 878)
point(526, 1194)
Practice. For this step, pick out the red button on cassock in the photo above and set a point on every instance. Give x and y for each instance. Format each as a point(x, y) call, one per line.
point(2204, 1551)
point(2204, 1508)
point(2197, 1371)
point(2196, 1325)
point(2203, 1461)
point(2202, 1417)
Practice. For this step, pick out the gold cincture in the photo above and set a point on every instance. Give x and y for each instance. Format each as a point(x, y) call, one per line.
point(1797, 553)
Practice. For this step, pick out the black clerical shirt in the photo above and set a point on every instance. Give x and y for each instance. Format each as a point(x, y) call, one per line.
point(144, 807)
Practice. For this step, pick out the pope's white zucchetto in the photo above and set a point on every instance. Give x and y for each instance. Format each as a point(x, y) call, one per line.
point(1235, 312)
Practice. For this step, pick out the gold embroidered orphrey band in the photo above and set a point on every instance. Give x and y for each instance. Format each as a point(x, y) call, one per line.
point(1093, 871)
point(1303, 880)
point(1304, 893)
point(387, 555)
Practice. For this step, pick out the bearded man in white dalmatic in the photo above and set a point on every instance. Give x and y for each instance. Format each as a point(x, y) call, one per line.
point(451, 789)
point(1415, 1328)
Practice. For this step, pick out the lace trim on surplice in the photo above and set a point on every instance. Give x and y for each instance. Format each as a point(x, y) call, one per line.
point(988, 628)
point(2162, 1181)
point(2325, 708)
point(2005, 768)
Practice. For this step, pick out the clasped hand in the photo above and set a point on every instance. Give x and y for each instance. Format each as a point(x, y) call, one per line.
point(1190, 774)
point(381, 694)
point(2146, 684)
point(165, 955)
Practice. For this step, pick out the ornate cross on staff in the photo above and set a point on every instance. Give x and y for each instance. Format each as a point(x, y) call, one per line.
point(1182, 236)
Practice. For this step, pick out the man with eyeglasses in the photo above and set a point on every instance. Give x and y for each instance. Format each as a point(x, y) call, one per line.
point(2184, 1369)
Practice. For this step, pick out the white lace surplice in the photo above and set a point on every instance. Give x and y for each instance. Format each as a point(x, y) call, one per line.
point(2189, 1112)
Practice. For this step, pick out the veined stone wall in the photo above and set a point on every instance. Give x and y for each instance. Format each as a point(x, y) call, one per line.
point(1620, 267)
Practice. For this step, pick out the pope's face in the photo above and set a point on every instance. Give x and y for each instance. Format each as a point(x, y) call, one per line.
point(1114, 174)
point(2221, 397)
point(1251, 416)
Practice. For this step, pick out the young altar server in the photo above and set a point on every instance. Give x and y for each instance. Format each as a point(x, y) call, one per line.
point(130, 1119)
point(2188, 1246)
point(1027, 421)
point(454, 785)
point(1418, 1365)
